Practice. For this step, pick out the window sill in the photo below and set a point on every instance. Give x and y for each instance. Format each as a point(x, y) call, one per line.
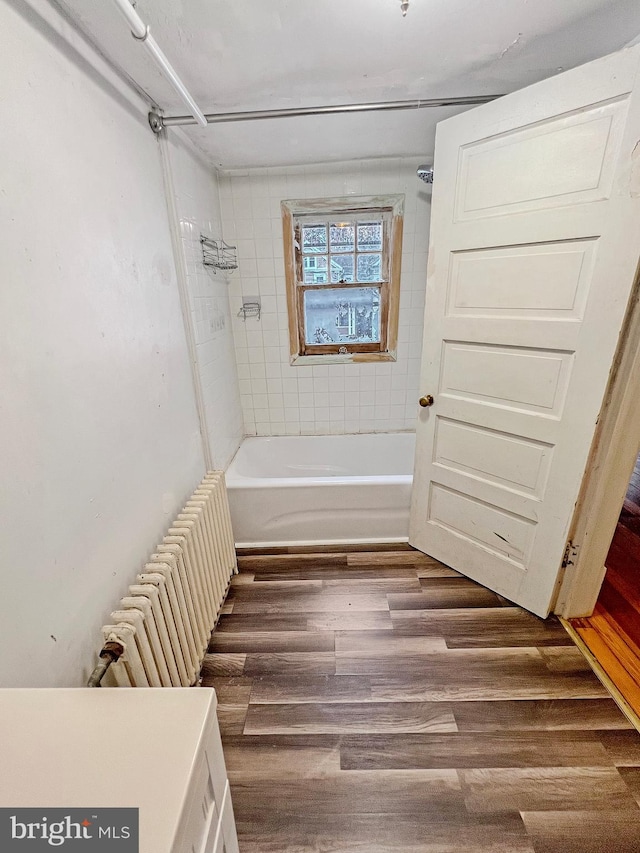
point(338, 358)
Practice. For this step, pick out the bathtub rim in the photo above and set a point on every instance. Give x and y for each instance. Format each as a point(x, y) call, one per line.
point(238, 481)
point(236, 478)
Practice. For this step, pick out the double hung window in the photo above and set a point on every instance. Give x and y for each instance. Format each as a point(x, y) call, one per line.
point(342, 262)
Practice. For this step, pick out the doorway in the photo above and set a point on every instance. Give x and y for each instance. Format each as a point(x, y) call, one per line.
point(612, 632)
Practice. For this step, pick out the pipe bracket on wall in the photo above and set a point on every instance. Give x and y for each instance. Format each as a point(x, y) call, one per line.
point(155, 122)
point(144, 37)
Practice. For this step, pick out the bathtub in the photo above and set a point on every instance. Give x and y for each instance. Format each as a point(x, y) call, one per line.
point(311, 490)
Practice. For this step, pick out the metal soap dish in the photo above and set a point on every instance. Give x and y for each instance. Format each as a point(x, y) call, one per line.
point(250, 308)
point(218, 254)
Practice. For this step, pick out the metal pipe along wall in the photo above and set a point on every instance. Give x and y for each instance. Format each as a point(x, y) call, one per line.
point(140, 31)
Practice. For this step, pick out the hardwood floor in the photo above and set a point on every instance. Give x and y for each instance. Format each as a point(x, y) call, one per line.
point(377, 702)
point(612, 633)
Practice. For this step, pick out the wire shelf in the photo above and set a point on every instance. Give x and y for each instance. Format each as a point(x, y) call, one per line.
point(218, 254)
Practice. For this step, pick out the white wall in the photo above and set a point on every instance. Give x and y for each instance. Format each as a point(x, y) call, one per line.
point(198, 211)
point(99, 432)
point(278, 398)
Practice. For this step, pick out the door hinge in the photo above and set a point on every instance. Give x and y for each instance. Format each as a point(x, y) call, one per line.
point(570, 554)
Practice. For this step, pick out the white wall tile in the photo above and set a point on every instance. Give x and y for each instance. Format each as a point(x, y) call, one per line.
point(323, 398)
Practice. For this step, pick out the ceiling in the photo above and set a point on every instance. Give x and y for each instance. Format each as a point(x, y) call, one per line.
point(273, 54)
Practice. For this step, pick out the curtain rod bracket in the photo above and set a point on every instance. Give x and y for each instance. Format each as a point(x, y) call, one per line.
point(155, 122)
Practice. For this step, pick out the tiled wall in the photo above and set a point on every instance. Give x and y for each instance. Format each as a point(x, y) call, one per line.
point(197, 200)
point(277, 398)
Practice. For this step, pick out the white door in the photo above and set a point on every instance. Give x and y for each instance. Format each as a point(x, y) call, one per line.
point(535, 240)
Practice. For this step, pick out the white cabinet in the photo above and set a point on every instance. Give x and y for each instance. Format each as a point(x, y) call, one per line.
point(157, 750)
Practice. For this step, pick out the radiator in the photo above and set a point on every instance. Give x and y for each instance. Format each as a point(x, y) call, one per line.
point(165, 621)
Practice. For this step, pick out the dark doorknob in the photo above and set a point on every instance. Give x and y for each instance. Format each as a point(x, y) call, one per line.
point(426, 401)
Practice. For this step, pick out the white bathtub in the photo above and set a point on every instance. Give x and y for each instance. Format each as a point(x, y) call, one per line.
point(311, 490)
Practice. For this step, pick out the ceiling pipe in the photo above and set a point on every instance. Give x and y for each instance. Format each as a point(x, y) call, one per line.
point(140, 31)
point(158, 122)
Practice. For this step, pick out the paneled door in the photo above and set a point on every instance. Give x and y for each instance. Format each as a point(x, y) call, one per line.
point(535, 241)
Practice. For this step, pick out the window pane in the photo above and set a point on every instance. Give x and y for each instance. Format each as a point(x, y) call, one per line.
point(342, 268)
point(370, 236)
point(336, 315)
point(314, 239)
point(342, 237)
point(315, 269)
point(369, 267)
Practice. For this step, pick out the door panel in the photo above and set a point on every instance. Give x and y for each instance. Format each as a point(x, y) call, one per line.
point(535, 238)
point(567, 159)
point(507, 377)
point(505, 534)
point(520, 465)
point(549, 280)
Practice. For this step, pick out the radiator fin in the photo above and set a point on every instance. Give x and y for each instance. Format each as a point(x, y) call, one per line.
point(166, 620)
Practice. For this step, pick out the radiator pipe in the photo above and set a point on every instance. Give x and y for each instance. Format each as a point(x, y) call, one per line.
point(111, 652)
point(140, 31)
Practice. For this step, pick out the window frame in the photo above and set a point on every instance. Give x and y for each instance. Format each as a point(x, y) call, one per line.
point(324, 209)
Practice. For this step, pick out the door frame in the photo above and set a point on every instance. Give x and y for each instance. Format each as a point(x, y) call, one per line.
point(611, 462)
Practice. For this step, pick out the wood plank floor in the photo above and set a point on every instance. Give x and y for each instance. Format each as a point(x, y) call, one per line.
point(377, 702)
point(612, 633)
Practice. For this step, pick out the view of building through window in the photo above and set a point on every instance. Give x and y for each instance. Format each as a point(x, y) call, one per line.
point(338, 315)
point(343, 276)
point(342, 252)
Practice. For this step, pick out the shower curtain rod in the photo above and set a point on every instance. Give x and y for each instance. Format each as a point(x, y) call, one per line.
point(140, 31)
point(157, 121)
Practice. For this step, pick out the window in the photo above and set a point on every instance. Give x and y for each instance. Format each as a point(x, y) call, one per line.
point(342, 265)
